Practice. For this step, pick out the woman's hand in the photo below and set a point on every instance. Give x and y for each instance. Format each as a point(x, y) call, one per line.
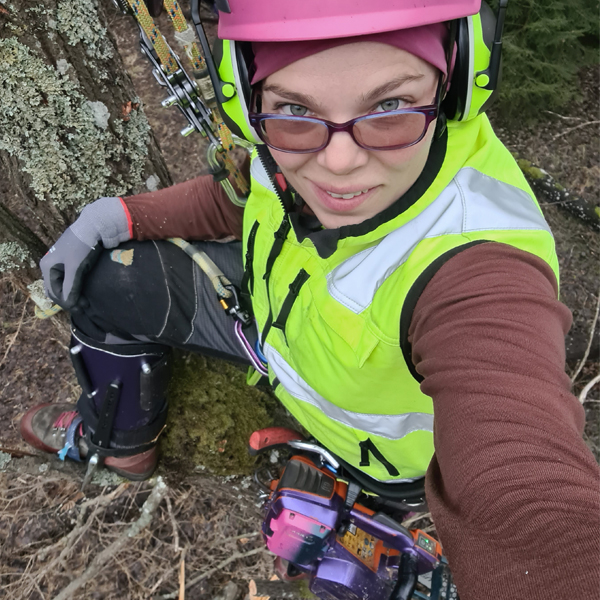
point(66, 264)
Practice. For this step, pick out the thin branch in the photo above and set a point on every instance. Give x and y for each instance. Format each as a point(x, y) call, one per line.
point(221, 565)
point(16, 453)
point(590, 341)
point(563, 117)
point(587, 388)
point(176, 547)
point(182, 576)
point(14, 338)
point(111, 551)
point(73, 537)
point(574, 128)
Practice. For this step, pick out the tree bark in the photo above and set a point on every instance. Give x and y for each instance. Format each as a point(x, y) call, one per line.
point(71, 126)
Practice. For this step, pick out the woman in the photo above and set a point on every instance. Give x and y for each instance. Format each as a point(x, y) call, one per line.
point(398, 267)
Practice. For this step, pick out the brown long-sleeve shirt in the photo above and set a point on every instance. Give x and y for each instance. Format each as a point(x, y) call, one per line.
point(514, 491)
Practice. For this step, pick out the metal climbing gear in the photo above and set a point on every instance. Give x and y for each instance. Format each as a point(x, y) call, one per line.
point(195, 97)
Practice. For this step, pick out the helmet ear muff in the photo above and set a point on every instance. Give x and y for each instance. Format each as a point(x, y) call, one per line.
point(232, 59)
point(470, 94)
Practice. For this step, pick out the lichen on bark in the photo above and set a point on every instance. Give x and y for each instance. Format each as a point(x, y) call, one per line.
point(13, 256)
point(48, 123)
point(76, 20)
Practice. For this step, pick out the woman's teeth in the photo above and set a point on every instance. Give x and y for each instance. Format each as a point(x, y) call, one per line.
point(348, 196)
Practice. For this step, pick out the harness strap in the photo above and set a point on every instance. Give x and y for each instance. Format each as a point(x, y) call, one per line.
point(124, 443)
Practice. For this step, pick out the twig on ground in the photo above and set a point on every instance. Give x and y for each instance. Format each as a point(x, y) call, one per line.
point(234, 538)
point(590, 341)
point(221, 565)
point(16, 453)
point(182, 576)
point(16, 334)
point(111, 551)
point(563, 117)
point(574, 128)
point(587, 388)
point(71, 539)
point(176, 547)
point(161, 579)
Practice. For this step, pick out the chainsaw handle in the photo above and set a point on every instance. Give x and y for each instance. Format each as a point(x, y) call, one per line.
point(407, 577)
point(271, 437)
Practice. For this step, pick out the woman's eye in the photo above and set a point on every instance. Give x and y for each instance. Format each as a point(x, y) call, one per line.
point(392, 104)
point(294, 109)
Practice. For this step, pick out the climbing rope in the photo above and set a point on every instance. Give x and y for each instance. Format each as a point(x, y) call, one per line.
point(185, 34)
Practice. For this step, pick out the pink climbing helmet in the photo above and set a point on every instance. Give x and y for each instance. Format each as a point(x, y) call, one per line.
point(292, 20)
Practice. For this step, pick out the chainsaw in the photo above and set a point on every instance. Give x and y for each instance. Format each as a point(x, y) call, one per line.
point(326, 526)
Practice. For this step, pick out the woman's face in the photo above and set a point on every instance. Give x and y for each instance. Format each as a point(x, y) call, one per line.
point(340, 84)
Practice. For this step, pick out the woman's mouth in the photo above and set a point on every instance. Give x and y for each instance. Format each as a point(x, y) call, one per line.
point(347, 196)
point(342, 200)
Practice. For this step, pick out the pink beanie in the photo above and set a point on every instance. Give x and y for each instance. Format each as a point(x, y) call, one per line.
point(427, 42)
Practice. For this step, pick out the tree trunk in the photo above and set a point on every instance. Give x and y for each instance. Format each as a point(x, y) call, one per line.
point(71, 127)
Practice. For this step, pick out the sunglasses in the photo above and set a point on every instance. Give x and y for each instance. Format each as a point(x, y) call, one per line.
point(390, 130)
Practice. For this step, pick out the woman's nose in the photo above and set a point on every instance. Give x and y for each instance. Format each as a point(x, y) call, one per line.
point(342, 155)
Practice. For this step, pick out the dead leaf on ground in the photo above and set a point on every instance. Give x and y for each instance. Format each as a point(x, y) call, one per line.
point(252, 592)
point(69, 504)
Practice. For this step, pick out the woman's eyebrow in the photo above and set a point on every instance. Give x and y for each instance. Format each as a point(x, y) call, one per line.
point(304, 99)
point(389, 86)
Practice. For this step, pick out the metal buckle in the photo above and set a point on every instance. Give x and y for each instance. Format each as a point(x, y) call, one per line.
point(232, 306)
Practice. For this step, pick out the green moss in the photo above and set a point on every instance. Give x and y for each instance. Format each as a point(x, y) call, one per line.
point(212, 415)
point(54, 130)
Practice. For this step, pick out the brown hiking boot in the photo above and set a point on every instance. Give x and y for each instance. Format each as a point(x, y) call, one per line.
point(58, 429)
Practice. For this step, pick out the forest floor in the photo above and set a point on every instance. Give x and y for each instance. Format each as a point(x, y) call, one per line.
point(206, 533)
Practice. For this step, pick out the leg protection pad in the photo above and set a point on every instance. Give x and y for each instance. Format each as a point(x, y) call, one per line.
point(123, 404)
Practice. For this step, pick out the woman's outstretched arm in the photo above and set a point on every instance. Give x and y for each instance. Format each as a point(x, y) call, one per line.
point(513, 489)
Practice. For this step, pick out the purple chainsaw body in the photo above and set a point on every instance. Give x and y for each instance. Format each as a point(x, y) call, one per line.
point(347, 551)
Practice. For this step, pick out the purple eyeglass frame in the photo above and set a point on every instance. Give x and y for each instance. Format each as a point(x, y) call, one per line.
point(430, 112)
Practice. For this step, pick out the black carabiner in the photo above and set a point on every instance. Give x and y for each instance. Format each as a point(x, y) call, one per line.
point(233, 308)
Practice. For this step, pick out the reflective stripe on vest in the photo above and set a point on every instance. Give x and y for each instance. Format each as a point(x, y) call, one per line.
point(470, 203)
point(393, 427)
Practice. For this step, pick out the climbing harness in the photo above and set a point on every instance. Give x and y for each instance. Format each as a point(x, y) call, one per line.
point(228, 298)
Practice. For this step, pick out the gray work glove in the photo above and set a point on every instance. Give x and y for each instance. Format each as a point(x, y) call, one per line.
point(66, 264)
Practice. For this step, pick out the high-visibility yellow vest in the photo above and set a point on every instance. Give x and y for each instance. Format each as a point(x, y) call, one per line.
point(333, 320)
